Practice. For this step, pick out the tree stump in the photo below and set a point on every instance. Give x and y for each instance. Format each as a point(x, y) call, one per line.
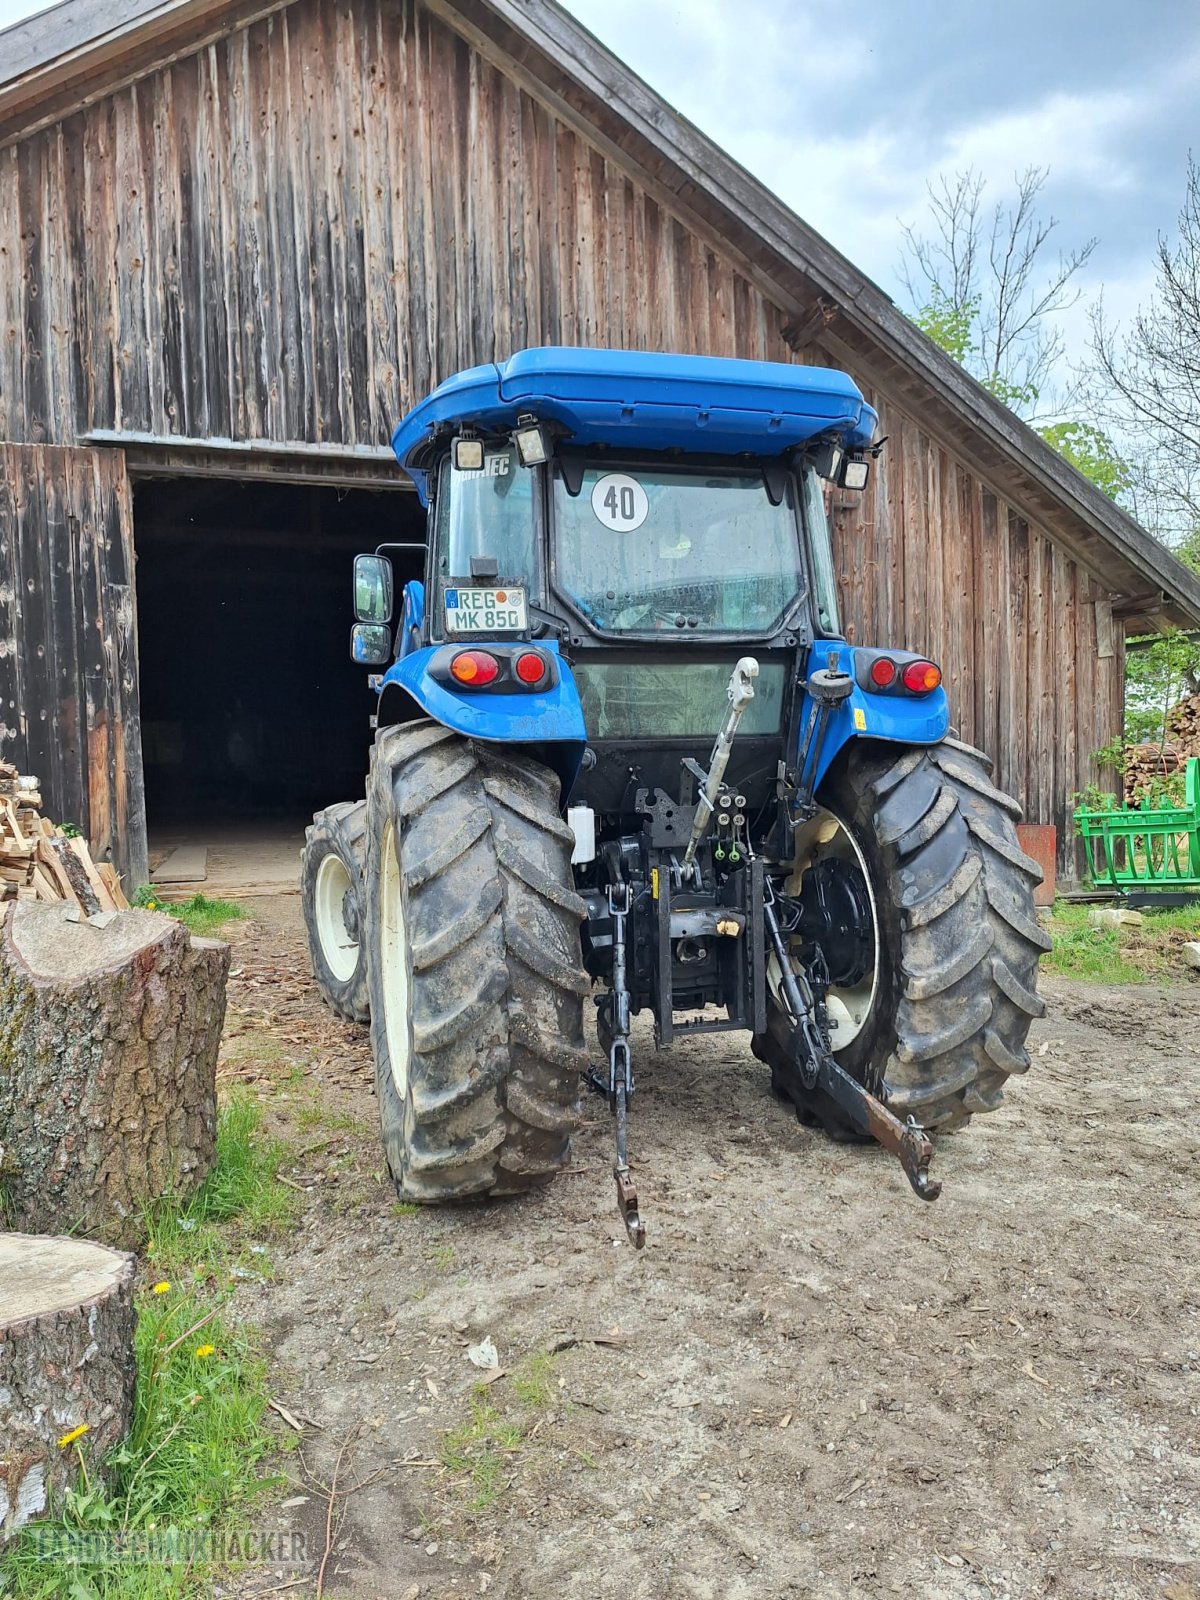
point(66, 1365)
point(108, 1052)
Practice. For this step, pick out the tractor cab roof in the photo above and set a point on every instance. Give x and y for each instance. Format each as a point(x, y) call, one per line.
point(642, 400)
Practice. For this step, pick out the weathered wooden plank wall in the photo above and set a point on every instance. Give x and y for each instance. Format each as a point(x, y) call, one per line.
point(68, 642)
point(294, 233)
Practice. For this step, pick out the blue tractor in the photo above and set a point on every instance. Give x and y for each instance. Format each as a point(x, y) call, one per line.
point(625, 752)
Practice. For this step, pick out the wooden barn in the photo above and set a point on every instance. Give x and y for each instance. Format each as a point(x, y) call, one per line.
point(239, 238)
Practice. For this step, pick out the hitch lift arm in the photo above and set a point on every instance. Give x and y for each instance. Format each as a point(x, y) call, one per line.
point(818, 1070)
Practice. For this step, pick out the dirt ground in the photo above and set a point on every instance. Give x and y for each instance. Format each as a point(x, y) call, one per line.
point(815, 1384)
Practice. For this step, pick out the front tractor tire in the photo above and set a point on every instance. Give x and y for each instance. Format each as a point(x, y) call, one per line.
point(956, 936)
point(331, 884)
point(474, 968)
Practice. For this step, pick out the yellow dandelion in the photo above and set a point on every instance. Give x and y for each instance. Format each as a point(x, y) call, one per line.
point(161, 1288)
point(75, 1433)
point(205, 1350)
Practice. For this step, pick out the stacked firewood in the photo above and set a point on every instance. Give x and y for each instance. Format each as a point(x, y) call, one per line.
point(1183, 726)
point(1146, 765)
point(41, 862)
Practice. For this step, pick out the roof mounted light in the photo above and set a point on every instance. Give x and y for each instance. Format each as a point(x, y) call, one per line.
point(855, 472)
point(532, 445)
point(468, 453)
point(826, 458)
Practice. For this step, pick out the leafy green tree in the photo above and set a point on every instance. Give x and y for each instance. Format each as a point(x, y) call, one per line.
point(1159, 671)
point(1090, 450)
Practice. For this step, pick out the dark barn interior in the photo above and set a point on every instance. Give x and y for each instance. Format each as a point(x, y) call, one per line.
point(251, 707)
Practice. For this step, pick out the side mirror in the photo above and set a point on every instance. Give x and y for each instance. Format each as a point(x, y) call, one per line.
point(374, 596)
point(371, 643)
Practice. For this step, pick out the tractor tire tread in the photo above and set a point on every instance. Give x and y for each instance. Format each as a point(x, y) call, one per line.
point(961, 1026)
point(957, 896)
point(341, 830)
point(493, 924)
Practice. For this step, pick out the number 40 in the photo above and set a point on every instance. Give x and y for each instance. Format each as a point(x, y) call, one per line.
point(623, 509)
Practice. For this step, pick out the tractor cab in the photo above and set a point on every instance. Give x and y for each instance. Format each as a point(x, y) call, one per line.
point(648, 517)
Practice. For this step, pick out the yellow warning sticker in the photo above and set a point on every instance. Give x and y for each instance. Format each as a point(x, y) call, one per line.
point(654, 883)
point(860, 719)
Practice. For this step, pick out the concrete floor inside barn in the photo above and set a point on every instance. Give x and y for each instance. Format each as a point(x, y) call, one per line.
point(253, 856)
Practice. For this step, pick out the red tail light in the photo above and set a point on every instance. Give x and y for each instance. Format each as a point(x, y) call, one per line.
point(920, 677)
point(530, 667)
point(883, 672)
point(474, 668)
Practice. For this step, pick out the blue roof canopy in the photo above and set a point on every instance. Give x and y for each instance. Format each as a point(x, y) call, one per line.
point(644, 400)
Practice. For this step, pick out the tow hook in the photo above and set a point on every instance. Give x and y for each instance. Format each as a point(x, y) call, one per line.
point(908, 1142)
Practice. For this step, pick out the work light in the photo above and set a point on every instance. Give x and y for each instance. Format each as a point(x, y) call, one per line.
point(855, 473)
point(468, 454)
point(531, 442)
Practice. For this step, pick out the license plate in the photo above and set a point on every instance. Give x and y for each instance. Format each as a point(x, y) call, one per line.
point(486, 611)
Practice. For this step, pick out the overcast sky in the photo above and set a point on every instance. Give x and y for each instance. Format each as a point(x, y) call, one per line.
point(846, 113)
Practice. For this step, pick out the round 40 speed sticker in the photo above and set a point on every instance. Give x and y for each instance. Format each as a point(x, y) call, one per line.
point(619, 501)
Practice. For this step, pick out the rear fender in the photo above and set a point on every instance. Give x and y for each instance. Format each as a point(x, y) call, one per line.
point(548, 723)
point(889, 718)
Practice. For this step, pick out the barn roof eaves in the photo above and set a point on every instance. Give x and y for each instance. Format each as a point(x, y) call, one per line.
point(79, 50)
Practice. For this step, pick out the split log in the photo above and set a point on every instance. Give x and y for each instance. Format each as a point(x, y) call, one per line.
point(66, 1366)
point(40, 862)
point(108, 1052)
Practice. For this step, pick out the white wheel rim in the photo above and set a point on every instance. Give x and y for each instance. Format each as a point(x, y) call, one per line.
point(393, 950)
point(848, 1007)
point(338, 947)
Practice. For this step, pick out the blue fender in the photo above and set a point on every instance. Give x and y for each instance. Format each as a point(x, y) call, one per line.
point(895, 718)
point(552, 716)
point(412, 618)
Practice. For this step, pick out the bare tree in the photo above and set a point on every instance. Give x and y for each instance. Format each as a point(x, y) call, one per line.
point(1152, 374)
point(983, 286)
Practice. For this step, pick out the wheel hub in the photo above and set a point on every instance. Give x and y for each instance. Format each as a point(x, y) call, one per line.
point(834, 912)
point(350, 914)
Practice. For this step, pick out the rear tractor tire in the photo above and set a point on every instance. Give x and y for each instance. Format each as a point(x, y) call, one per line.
point(331, 883)
point(940, 1022)
point(474, 968)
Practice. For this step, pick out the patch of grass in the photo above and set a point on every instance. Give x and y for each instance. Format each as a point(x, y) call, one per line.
point(405, 1208)
point(198, 1439)
point(204, 916)
point(481, 1450)
point(1134, 953)
point(242, 1188)
point(442, 1257)
point(201, 914)
point(476, 1448)
point(316, 1116)
point(192, 1457)
point(534, 1382)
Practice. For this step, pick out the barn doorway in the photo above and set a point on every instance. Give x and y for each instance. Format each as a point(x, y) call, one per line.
point(253, 716)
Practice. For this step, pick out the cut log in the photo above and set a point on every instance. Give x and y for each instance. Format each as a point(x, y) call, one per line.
point(66, 1366)
point(108, 1051)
